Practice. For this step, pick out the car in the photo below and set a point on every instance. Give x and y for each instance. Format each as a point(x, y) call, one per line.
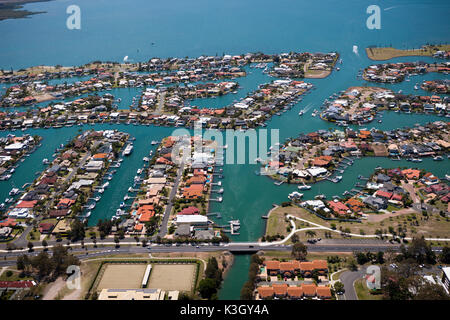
point(197, 246)
point(251, 246)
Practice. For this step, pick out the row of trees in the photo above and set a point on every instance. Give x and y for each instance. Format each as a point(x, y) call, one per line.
point(213, 279)
point(250, 284)
point(46, 267)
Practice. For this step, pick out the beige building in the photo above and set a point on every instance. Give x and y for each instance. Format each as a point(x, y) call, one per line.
point(133, 294)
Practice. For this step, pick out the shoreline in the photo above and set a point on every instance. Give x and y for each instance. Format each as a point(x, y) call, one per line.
point(13, 9)
point(387, 53)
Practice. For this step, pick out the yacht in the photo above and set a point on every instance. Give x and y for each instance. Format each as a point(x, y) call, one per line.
point(14, 191)
point(304, 187)
point(295, 195)
point(128, 150)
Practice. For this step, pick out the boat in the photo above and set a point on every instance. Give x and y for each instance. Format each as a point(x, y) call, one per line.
point(45, 161)
point(154, 142)
point(122, 204)
point(438, 158)
point(447, 176)
point(128, 150)
point(301, 113)
point(146, 159)
point(304, 187)
point(105, 185)
point(378, 168)
point(14, 191)
point(416, 87)
point(91, 206)
point(295, 195)
point(101, 190)
point(416, 160)
point(97, 198)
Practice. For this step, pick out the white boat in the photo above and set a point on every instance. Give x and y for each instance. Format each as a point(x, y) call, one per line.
point(304, 187)
point(91, 206)
point(295, 195)
point(101, 190)
point(105, 185)
point(416, 160)
point(438, 158)
point(45, 161)
point(128, 150)
point(146, 159)
point(301, 113)
point(14, 191)
point(447, 176)
point(122, 204)
point(87, 214)
point(97, 198)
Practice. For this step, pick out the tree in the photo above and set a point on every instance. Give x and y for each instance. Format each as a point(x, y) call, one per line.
point(212, 271)
point(136, 238)
point(116, 240)
point(247, 291)
point(445, 255)
point(310, 233)
point(339, 287)
point(77, 231)
point(294, 238)
point(207, 288)
point(299, 251)
point(44, 244)
point(380, 257)
point(30, 246)
point(431, 291)
point(144, 242)
point(351, 264)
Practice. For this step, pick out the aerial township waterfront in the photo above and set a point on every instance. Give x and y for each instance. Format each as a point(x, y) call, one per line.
point(246, 196)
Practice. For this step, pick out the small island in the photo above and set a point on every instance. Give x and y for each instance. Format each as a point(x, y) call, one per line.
point(386, 53)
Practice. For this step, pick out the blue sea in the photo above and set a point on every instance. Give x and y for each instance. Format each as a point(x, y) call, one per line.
point(140, 29)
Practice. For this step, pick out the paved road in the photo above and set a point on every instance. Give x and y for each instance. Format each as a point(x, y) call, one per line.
point(162, 98)
point(173, 192)
point(348, 278)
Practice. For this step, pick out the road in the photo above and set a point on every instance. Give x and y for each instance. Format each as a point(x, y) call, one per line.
point(173, 192)
point(348, 278)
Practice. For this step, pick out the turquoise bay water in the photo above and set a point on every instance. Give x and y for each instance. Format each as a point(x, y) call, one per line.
point(112, 29)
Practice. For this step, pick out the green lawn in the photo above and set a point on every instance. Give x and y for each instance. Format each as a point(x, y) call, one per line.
point(363, 292)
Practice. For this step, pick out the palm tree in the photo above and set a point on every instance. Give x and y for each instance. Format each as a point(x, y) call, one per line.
point(116, 240)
